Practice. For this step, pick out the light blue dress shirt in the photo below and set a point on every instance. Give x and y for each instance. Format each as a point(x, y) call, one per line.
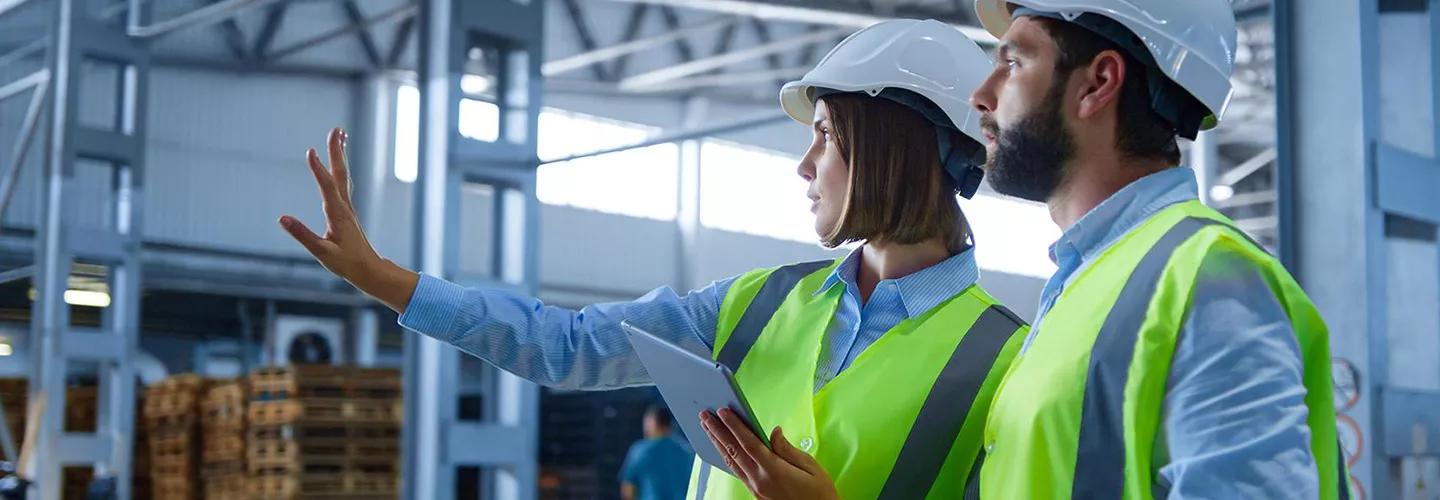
point(586, 349)
point(1235, 416)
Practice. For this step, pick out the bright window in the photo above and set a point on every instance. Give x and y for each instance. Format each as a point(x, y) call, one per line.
point(407, 133)
point(755, 191)
point(479, 120)
point(1011, 236)
point(637, 182)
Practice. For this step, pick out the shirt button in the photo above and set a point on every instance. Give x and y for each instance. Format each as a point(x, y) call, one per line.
point(806, 444)
point(990, 446)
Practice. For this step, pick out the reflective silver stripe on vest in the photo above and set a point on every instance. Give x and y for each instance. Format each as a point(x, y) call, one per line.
point(1100, 458)
point(938, 424)
point(777, 286)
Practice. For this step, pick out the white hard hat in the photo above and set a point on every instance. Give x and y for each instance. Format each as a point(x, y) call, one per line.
point(1191, 42)
point(927, 58)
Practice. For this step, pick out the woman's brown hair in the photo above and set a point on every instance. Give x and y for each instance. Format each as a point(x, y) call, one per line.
point(897, 192)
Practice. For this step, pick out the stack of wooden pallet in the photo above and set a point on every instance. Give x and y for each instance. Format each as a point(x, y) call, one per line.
point(80, 401)
point(140, 464)
point(80, 416)
point(320, 430)
point(223, 422)
point(75, 482)
point(172, 409)
point(14, 392)
point(80, 409)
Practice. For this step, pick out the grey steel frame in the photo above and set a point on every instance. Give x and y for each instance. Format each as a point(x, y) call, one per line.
point(74, 39)
point(505, 444)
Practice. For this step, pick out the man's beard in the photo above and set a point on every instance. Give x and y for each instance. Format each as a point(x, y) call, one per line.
point(1030, 157)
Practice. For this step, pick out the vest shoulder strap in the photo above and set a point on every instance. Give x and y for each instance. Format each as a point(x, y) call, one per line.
point(952, 397)
point(758, 313)
point(1100, 459)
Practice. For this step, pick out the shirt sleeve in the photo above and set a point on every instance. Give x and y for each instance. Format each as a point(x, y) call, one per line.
point(1235, 414)
point(559, 347)
point(630, 470)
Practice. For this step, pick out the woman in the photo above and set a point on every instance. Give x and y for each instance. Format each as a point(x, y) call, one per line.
point(879, 364)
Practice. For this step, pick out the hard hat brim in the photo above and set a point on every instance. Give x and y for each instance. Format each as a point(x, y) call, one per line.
point(795, 100)
point(994, 16)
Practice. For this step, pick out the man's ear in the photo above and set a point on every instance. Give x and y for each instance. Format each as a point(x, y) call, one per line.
point(1103, 79)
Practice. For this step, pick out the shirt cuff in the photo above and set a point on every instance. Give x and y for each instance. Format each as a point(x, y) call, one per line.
point(433, 307)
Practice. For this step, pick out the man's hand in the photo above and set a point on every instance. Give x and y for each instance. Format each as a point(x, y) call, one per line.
point(783, 474)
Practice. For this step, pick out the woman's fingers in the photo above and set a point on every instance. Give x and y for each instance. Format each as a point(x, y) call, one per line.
point(339, 164)
point(329, 197)
point(307, 238)
point(739, 461)
point(791, 454)
point(746, 438)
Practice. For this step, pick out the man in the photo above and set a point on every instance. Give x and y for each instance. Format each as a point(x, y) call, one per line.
point(657, 467)
point(1172, 357)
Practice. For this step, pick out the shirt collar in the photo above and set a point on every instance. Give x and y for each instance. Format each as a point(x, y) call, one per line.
point(920, 291)
point(1124, 210)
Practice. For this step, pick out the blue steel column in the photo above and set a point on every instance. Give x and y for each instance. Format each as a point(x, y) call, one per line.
point(505, 443)
point(1332, 227)
point(60, 241)
point(50, 314)
point(425, 474)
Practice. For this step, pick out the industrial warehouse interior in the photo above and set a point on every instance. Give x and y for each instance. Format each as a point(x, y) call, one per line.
point(516, 162)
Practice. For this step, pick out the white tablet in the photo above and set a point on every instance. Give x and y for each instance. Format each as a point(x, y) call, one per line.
point(691, 383)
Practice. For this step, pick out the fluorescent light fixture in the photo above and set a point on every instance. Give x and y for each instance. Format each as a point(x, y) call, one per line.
point(6, 350)
point(86, 298)
point(805, 15)
point(1221, 192)
point(475, 84)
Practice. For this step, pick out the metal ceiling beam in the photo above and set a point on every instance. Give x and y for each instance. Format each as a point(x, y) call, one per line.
point(632, 30)
point(685, 135)
point(672, 22)
point(401, 42)
point(579, 23)
point(834, 13)
point(1254, 164)
point(27, 50)
point(39, 82)
point(577, 61)
point(807, 54)
point(207, 15)
point(9, 5)
point(401, 12)
point(726, 39)
point(353, 14)
point(251, 67)
point(762, 33)
point(274, 17)
point(682, 70)
point(728, 79)
point(234, 38)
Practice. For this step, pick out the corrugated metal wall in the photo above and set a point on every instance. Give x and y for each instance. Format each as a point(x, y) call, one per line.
point(226, 156)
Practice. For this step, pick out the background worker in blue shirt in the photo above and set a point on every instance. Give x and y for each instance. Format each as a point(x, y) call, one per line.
point(657, 467)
